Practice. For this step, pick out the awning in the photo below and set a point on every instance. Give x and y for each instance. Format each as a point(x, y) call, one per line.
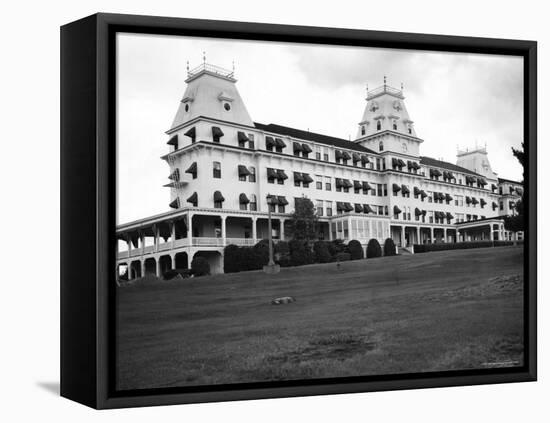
point(364, 159)
point(306, 148)
point(243, 199)
point(217, 132)
point(423, 193)
point(435, 172)
point(474, 200)
point(358, 208)
point(192, 168)
point(338, 182)
point(449, 216)
point(423, 212)
point(495, 205)
point(307, 179)
point(191, 133)
point(193, 199)
point(339, 206)
point(396, 210)
point(280, 143)
point(394, 162)
point(409, 164)
point(173, 141)
point(468, 200)
point(357, 184)
point(242, 137)
point(355, 157)
point(338, 154)
point(282, 200)
point(348, 207)
point(367, 209)
point(281, 174)
point(448, 197)
point(272, 173)
point(405, 189)
point(400, 163)
point(366, 186)
point(416, 165)
point(218, 197)
point(175, 204)
point(243, 171)
point(347, 183)
point(396, 188)
point(417, 212)
point(470, 179)
point(270, 142)
point(416, 191)
point(272, 200)
point(482, 201)
point(298, 177)
point(519, 191)
point(296, 146)
point(481, 181)
point(493, 187)
point(346, 155)
point(175, 175)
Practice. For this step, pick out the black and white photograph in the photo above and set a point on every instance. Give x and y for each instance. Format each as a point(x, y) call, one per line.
point(298, 212)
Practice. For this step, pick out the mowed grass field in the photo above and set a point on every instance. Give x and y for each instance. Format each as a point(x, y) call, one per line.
point(436, 311)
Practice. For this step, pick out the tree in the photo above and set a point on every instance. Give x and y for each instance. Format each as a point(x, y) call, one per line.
point(516, 223)
point(374, 249)
point(200, 266)
point(300, 253)
point(389, 247)
point(231, 259)
point(355, 249)
point(303, 222)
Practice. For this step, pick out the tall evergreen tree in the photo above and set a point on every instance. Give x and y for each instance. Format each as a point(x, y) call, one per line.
point(303, 222)
point(516, 223)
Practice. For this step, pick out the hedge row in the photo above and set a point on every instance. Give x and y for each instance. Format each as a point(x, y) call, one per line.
point(425, 248)
point(297, 253)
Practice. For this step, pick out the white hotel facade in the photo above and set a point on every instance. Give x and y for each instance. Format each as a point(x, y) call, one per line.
point(223, 166)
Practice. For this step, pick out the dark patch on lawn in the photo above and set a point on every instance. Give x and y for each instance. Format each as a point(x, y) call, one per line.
point(334, 347)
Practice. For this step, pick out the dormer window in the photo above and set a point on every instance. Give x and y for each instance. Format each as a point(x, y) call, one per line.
point(363, 130)
point(227, 107)
point(395, 126)
point(381, 144)
point(378, 126)
point(410, 130)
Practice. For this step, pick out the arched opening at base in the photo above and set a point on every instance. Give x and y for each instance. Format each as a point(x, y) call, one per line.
point(135, 269)
point(150, 266)
point(165, 264)
point(214, 259)
point(181, 261)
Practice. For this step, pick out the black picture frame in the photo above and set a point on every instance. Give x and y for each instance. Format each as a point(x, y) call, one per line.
point(88, 207)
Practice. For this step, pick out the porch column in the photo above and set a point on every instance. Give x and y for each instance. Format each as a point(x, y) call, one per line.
point(282, 225)
point(142, 238)
point(431, 234)
point(142, 267)
point(173, 232)
point(223, 229)
point(190, 228)
point(491, 235)
point(330, 231)
point(156, 235)
point(444, 234)
point(403, 236)
point(158, 271)
point(254, 234)
point(129, 243)
point(418, 235)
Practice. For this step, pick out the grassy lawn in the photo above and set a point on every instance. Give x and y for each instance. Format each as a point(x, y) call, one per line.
point(436, 311)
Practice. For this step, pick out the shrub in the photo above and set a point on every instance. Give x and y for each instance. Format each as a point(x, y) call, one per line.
point(336, 246)
point(260, 255)
point(200, 266)
point(389, 247)
point(300, 253)
point(425, 248)
point(171, 274)
point(355, 250)
point(232, 259)
point(321, 251)
point(285, 261)
point(343, 257)
point(374, 249)
point(282, 248)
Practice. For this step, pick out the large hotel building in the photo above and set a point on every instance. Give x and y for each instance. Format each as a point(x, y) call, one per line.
point(223, 166)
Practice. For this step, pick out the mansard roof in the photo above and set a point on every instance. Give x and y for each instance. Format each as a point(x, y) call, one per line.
point(509, 181)
point(429, 161)
point(312, 136)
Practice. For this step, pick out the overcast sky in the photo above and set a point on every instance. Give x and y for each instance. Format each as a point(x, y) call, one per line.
point(454, 100)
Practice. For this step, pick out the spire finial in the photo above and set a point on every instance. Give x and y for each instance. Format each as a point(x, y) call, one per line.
point(367, 88)
point(233, 66)
point(188, 66)
point(401, 86)
point(384, 80)
point(203, 57)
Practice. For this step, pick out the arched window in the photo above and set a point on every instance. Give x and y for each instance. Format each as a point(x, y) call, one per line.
point(381, 146)
point(362, 129)
point(252, 176)
point(253, 204)
point(378, 125)
point(395, 126)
